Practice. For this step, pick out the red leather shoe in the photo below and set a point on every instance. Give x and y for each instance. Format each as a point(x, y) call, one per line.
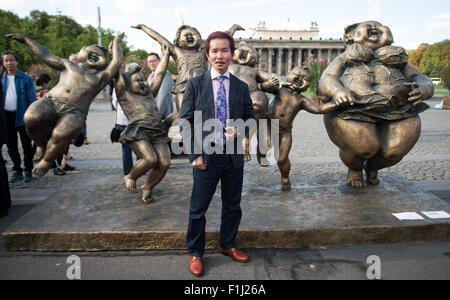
point(196, 265)
point(236, 254)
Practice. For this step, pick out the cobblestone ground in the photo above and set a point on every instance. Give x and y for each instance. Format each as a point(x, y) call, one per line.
point(312, 151)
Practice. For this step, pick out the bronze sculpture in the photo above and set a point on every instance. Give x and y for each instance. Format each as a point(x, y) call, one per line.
point(245, 60)
point(380, 124)
point(286, 104)
point(63, 111)
point(146, 132)
point(188, 53)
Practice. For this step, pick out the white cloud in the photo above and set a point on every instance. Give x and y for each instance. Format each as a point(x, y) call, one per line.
point(443, 16)
point(442, 22)
point(11, 5)
point(374, 10)
point(130, 6)
point(438, 25)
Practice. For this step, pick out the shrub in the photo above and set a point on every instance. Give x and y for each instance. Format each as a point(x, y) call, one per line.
point(316, 67)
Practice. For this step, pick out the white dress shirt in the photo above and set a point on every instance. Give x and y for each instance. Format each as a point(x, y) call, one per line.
point(11, 94)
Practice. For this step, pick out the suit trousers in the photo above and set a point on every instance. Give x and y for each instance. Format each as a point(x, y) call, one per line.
point(220, 167)
point(12, 143)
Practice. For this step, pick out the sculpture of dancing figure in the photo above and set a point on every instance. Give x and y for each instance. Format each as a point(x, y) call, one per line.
point(63, 111)
point(285, 106)
point(188, 53)
point(146, 132)
point(382, 125)
point(244, 67)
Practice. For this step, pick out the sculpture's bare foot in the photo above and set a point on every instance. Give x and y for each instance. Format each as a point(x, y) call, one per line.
point(262, 160)
point(247, 157)
point(42, 168)
point(371, 176)
point(355, 179)
point(286, 186)
point(146, 196)
point(130, 184)
point(39, 154)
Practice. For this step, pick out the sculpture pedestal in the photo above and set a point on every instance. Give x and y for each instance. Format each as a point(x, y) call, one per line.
point(446, 102)
point(96, 213)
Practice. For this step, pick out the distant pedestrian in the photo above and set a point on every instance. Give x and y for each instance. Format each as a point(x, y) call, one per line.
point(5, 196)
point(164, 97)
point(18, 94)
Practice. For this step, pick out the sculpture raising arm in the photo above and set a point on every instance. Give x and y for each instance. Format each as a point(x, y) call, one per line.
point(157, 37)
point(38, 50)
point(234, 28)
point(160, 71)
point(117, 58)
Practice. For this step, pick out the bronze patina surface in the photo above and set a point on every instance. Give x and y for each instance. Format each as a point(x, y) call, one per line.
point(384, 95)
point(61, 114)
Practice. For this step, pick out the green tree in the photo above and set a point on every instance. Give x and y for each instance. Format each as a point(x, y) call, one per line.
point(434, 58)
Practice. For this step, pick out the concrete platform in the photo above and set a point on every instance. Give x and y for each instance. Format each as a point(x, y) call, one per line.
point(96, 213)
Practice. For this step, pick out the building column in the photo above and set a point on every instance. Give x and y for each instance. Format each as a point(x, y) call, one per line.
point(319, 53)
point(279, 60)
point(300, 56)
point(269, 60)
point(309, 52)
point(259, 59)
point(329, 55)
point(289, 64)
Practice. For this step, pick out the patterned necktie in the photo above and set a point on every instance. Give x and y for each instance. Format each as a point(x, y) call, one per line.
point(221, 108)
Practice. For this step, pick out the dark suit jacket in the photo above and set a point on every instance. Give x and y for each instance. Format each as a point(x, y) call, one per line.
point(2, 116)
point(199, 96)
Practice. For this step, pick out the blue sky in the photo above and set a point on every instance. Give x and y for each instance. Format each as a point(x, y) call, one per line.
point(412, 22)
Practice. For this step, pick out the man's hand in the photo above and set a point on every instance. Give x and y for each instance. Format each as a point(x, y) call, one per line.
point(231, 133)
point(199, 164)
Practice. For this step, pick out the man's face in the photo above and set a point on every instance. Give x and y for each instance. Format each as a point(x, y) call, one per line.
point(219, 54)
point(10, 63)
point(152, 62)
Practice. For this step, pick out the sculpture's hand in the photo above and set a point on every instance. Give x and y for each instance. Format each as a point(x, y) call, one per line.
point(165, 50)
point(238, 27)
point(120, 37)
point(417, 94)
point(139, 26)
point(18, 37)
point(342, 97)
point(274, 81)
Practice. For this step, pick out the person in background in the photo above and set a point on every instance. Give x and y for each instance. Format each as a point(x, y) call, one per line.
point(5, 195)
point(121, 124)
point(18, 94)
point(164, 97)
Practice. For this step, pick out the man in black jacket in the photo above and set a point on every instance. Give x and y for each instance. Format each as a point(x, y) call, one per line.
point(220, 97)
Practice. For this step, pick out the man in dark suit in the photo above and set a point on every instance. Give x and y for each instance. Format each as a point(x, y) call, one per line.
point(222, 98)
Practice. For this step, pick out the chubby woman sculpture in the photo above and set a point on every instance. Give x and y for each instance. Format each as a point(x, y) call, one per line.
point(380, 123)
point(146, 132)
point(63, 110)
point(187, 52)
point(244, 67)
